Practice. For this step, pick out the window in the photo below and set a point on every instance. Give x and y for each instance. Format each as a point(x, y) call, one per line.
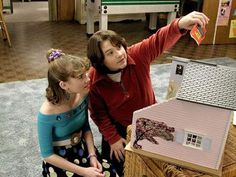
point(179, 69)
point(193, 140)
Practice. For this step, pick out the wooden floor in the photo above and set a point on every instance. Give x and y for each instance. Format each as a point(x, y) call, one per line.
point(31, 39)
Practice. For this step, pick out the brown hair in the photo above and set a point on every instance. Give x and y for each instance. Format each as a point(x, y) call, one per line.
point(94, 51)
point(61, 67)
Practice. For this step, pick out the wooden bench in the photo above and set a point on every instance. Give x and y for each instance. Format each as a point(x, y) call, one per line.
point(112, 7)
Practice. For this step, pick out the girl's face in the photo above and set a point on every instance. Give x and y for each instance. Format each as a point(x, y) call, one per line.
point(80, 84)
point(115, 58)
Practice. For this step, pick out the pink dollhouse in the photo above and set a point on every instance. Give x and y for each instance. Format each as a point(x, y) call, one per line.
point(190, 129)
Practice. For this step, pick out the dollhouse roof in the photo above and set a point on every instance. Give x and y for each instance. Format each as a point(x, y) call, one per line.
point(209, 84)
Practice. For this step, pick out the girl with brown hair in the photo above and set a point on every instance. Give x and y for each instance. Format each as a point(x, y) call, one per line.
point(65, 138)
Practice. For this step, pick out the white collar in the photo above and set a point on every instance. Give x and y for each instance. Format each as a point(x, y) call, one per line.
point(115, 77)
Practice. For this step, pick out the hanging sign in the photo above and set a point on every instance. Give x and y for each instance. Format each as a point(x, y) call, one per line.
point(224, 12)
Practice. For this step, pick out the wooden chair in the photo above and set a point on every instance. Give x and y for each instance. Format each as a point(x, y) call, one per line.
point(3, 25)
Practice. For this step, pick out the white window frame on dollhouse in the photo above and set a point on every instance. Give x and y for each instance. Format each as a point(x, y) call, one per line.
point(197, 143)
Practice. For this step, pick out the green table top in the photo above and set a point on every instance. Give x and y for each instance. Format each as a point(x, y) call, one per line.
point(135, 2)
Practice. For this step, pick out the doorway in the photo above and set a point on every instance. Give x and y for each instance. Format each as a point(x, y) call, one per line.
point(28, 11)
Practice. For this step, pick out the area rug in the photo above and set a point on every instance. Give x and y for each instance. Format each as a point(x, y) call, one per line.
point(19, 105)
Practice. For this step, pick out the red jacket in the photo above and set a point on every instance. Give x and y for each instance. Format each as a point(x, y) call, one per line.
point(118, 100)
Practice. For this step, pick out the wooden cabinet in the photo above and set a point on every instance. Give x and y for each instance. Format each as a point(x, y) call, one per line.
point(61, 10)
point(65, 9)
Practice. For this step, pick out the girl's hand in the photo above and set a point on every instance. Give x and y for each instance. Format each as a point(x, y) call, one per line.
point(189, 20)
point(95, 163)
point(93, 172)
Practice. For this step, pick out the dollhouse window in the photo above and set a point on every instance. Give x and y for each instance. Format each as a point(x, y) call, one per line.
point(193, 140)
point(179, 69)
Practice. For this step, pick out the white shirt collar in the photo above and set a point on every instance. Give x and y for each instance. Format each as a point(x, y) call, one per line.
point(115, 77)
